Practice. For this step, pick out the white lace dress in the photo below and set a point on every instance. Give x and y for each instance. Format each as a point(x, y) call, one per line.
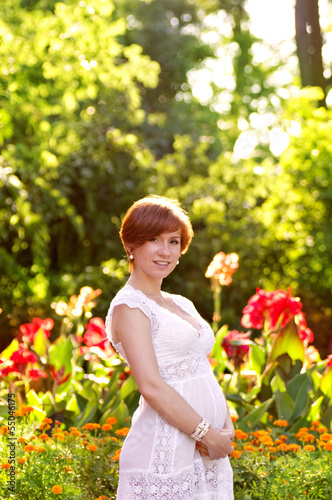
point(158, 461)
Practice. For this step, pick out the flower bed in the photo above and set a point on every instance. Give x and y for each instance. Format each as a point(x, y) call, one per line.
point(70, 464)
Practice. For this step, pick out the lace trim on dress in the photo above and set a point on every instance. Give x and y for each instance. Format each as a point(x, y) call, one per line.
point(199, 482)
point(185, 369)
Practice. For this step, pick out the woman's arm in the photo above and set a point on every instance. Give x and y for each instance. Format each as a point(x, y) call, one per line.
point(132, 327)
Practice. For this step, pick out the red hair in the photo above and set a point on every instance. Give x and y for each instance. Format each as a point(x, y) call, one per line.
point(152, 216)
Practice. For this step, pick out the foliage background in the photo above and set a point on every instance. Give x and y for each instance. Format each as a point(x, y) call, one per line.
point(97, 109)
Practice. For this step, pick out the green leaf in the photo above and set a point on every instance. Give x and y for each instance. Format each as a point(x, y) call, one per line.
point(326, 383)
point(257, 358)
point(285, 405)
point(251, 420)
point(13, 346)
point(39, 343)
point(287, 341)
point(60, 353)
point(128, 387)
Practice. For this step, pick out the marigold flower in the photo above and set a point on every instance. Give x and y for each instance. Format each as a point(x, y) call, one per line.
point(4, 430)
point(116, 456)
point(294, 447)
point(326, 436)
point(107, 427)
point(283, 447)
point(24, 411)
point(92, 447)
point(309, 438)
point(44, 437)
point(321, 429)
point(40, 449)
point(56, 489)
point(67, 469)
point(5, 466)
point(22, 440)
point(29, 448)
point(280, 423)
point(309, 447)
point(273, 449)
point(236, 454)
point(91, 426)
point(74, 431)
point(249, 447)
point(328, 446)
point(239, 434)
point(122, 432)
point(21, 461)
point(111, 420)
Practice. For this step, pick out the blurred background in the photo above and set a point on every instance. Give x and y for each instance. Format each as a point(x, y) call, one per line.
point(222, 104)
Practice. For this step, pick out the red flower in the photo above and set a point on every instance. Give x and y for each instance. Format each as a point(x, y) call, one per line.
point(29, 330)
point(59, 376)
point(6, 367)
point(95, 334)
point(305, 333)
point(22, 357)
point(35, 373)
point(329, 361)
point(235, 350)
point(223, 267)
point(270, 307)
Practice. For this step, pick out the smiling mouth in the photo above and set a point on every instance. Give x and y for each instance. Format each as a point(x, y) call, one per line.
point(161, 263)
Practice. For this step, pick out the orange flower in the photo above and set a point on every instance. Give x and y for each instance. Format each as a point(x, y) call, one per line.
point(22, 440)
point(60, 436)
point(5, 466)
point(57, 490)
point(44, 437)
point(122, 432)
point(29, 448)
point(240, 434)
point(111, 420)
point(107, 427)
point(24, 410)
point(294, 447)
point(249, 447)
point(234, 417)
point(283, 447)
point(67, 469)
point(236, 454)
point(91, 426)
point(4, 430)
point(117, 455)
point(322, 428)
point(74, 431)
point(309, 447)
point(92, 447)
point(280, 423)
point(328, 446)
point(309, 438)
point(40, 449)
point(326, 437)
point(21, 461)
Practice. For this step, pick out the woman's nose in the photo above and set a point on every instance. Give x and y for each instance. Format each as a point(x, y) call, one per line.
point(164, 249)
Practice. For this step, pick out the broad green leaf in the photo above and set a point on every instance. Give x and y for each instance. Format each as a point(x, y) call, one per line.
point(128, 387)
point(251, 420)
point(60, 353)
point(40, 343)
point(287, 341)
point(13, 346)
point(326, 383)
point(257, 358)
point(285, 405)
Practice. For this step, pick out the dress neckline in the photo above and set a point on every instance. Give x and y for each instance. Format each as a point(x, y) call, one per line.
point(176, 302)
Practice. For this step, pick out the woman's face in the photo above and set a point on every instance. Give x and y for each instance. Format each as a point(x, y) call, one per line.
point(158, 257)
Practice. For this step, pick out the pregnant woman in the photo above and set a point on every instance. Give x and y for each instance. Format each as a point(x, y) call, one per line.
point(181, 434)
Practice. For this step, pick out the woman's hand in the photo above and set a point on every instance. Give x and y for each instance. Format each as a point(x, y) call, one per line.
point(216, 444)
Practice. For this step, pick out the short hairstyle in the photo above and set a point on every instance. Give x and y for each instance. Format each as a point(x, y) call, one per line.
point(152, 216)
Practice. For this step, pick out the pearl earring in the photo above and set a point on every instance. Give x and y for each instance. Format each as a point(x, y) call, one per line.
point(178, 262)
point(131, 257)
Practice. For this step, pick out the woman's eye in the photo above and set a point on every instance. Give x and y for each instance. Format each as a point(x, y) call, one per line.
point(154, 239)
point(175, 242)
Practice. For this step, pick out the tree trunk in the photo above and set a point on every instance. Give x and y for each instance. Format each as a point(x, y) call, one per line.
point(309, 44)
